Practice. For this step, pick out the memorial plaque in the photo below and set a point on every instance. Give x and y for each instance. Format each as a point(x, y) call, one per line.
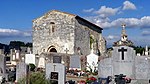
point(54, 75)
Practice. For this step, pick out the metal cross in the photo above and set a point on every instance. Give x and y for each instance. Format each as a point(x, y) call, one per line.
point(122, 50)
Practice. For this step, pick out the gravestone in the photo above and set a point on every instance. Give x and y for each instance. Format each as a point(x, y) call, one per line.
point(21, 70)
point(56, 72)
point(92, 61)
point(105, 68)
point(2, 65)
point(75, 62)
point(123, 60)
point(56, 59)
point(41, 62)
point(29, 58)
point(142, 67)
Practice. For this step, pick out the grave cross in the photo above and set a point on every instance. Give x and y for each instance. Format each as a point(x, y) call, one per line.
point(66, 50)
point(122, 50)
point(54, 67)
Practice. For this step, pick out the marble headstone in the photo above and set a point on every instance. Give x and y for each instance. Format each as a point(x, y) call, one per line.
point(21, 70)
point(92, 61)
point(75, 62)
point(29, 58)
point(105, 68)
point(123, 59)
point(56, 71)
point(142, 66)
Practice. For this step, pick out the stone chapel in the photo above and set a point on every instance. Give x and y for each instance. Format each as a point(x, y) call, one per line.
point(59, 34)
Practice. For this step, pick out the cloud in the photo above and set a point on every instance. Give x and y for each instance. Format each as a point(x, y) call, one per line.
point(112, 37)
point(107, 11)
point(127, 5)
point(88, 10)
point(146, 33)
point(143, 22)
point(14, 33)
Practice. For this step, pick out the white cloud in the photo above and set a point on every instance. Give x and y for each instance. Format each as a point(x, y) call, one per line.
point(13, 32)
point(143, 22)
point(146, 33)
point(127, 5)
point(112, 37)
point(107, 11)
point(88, 10)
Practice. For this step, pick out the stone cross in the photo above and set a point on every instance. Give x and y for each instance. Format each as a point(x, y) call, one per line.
point(122, 50)
point(66, 50)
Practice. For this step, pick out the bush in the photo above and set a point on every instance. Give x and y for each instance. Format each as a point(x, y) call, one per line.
point(32, 67)
point(34, 78)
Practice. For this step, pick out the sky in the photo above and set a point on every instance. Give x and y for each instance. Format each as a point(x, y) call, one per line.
point(16, 17)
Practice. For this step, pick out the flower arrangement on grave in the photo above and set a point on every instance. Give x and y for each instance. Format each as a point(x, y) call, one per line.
point(82, 82)
point(91, 79)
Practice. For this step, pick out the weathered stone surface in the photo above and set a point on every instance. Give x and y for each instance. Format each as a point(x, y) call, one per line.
point(55, 29)
point(105, 68)
point(21, 70)
point(142, 67)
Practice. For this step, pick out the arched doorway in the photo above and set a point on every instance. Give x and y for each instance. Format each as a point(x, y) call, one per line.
point(53, 50)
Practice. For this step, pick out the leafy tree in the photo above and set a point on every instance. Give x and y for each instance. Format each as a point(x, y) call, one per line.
point(28, 44)
point(16, 44)
point(139, 49)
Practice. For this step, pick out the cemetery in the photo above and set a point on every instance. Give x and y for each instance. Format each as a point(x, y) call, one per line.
point(80, 57)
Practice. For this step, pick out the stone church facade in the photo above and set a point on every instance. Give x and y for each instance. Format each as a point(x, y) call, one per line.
point(57, 29)
point(62, 32)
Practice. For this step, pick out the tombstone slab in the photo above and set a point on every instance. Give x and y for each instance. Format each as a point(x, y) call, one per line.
point(21, 70)
point(56, 71)
point(75, 62)
point(142, 67)
point(2, 65)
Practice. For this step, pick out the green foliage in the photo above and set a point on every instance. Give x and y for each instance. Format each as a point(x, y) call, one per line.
point(28, 44)
point(19, 44)
point(34, 78)
point(139, 49)
point(32, 67)
point(16, 43)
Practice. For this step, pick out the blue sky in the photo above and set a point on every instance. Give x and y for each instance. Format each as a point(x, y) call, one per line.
point(16, 17)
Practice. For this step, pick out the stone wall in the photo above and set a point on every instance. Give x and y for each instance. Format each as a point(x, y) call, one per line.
point(43, 37)
point(75, 32)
